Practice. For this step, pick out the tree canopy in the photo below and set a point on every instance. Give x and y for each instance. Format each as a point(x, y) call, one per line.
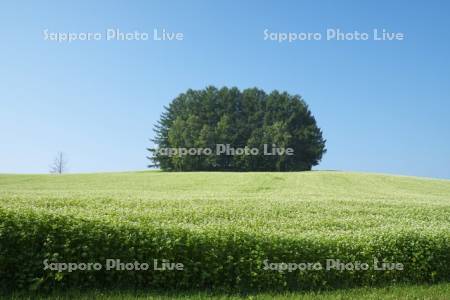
point(250, 118)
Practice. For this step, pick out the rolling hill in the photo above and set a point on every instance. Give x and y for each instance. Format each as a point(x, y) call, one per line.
point(230, 231)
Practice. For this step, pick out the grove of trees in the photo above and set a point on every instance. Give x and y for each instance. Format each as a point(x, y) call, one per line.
point(249, 118)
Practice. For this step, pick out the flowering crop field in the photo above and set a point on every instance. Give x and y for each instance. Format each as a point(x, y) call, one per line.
point(229, 231)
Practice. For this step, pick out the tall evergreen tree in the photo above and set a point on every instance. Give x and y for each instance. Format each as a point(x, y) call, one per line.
point(249, 118)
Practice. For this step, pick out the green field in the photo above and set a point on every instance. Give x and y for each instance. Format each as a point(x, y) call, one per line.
point(222, 226)
point(429, 292)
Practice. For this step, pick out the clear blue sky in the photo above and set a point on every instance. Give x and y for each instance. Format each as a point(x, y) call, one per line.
point(383, 106)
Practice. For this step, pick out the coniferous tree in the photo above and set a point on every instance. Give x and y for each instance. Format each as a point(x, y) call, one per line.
point(252, 118)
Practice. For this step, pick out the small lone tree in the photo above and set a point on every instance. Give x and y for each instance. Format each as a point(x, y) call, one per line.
point(59, 164)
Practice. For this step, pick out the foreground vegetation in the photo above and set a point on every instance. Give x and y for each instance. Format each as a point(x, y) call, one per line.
point(222, 227)
point(430, 292)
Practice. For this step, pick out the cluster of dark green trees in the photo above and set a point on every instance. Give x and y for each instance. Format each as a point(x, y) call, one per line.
point(249, 118)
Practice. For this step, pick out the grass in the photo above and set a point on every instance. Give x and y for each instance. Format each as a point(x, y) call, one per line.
point(430, 292)
point(237, 217)
point(322, 204)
